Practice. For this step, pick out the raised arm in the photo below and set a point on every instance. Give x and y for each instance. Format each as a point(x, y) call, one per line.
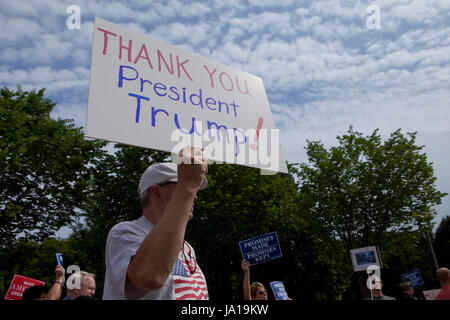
point(55, 291)
point(245, 265)
point(155, 258)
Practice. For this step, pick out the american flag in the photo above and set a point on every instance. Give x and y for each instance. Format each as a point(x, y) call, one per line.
point(190, 282)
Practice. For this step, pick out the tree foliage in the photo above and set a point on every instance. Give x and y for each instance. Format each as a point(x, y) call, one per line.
point(44, 167)
point(362, 192)
point(365, 188)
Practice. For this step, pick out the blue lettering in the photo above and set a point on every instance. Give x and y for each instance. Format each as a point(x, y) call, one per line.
point(155, 112)
point(138, 107)
point(210, 101)
point(193, 128)
point(158, 86)
point(174, 90)
point(144, 81)
point(122, 77)
point(199, 96)
point(238, 142)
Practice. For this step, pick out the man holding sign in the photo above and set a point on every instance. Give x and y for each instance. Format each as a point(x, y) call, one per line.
point(148, 258)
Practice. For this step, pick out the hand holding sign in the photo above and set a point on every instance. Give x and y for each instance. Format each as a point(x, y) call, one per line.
point(192, 167)
point(60, 274)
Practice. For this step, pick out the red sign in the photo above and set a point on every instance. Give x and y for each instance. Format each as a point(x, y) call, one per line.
point(18, 286)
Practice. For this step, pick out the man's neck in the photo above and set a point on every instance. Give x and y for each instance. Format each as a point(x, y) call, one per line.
point(152, 215)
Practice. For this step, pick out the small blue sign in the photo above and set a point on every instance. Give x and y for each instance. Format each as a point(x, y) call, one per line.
point(414, 277)
point(278, 290)
point(59, 259)
point(261, 249)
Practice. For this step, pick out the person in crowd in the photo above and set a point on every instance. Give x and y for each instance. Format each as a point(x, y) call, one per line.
point(42, 292)
point(35, 293)
point(377, 291)
point(148, 258)
point(407, 291)
point(80, 284)
point(255, 290)
point(443, 275)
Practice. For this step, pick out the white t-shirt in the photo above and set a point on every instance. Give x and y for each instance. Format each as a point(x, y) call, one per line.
point(186, 281)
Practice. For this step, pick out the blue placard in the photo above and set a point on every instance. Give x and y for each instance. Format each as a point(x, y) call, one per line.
point(414, 277)
point(278, 290)
point(59, 259)
point(261, 249)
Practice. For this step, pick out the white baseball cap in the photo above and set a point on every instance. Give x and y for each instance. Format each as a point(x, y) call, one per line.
point(159, 173)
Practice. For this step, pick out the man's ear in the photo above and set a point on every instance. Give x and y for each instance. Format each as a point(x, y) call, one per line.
point(155, 193)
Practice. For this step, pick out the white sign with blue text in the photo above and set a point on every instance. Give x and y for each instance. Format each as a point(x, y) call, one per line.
point(147, 93)
point(261, 249)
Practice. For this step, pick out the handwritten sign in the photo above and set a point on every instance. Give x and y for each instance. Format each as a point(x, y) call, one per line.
point(145, 92)
point(261, 249)
point(18, 286)
point(278, 290)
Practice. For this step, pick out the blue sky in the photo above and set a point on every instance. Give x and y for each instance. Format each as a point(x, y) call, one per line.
point(322, 67)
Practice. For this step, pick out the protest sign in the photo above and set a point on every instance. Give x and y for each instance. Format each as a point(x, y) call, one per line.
point(145, 92)
point(18, 286)
point(414, 278)
point(362, 258)
point(278, 290)
point(431, 294)
point(261, 249)
point(59, 259)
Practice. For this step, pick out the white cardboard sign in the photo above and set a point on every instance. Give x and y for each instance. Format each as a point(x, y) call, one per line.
point(148, 93)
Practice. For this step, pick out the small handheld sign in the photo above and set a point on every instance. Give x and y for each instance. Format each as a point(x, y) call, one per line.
point(414, 278)
point(59, 259)
point(278, 290)
point(362, 258)
point(261, 249)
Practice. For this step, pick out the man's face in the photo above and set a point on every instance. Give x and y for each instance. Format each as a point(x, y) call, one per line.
point(167, 191)
point(88, 287)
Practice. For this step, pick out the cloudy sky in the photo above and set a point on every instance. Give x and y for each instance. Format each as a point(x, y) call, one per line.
point(323, 65)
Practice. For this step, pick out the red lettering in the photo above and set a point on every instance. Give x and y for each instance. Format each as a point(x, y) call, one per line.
point(184, 69)
point(161, 57)
point(210, 75)
point(229, 79)
point(146, 57)
point(121, 46)
point(105, 38)
point(246, 87)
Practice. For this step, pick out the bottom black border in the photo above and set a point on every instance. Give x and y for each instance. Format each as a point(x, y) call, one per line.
point(229, 310)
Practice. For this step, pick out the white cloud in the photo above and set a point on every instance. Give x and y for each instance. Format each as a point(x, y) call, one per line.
point(322, 68)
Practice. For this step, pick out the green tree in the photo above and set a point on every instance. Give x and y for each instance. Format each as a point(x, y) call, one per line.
point(363, 188)
point(44, 167)
point(112, 199)
point(364, 191)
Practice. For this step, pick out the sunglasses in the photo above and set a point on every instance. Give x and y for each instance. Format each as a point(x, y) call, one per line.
point(262, 291)
point(192, 264)
point(166, 183)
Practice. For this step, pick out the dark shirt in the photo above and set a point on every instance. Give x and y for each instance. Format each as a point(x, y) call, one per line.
point(407, 296)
